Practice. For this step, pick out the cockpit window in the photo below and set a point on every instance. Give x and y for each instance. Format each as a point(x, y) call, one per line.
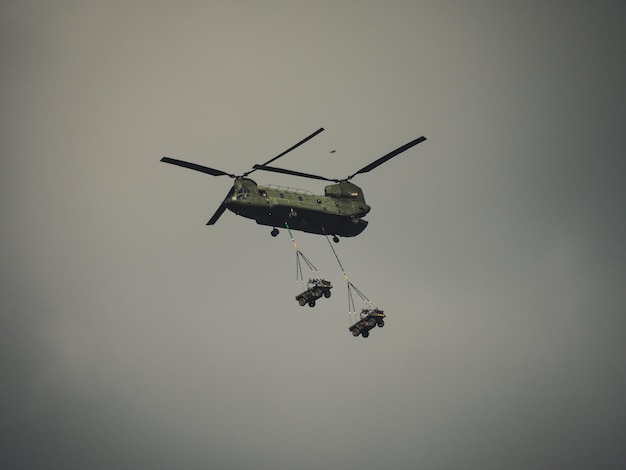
point(242, 193)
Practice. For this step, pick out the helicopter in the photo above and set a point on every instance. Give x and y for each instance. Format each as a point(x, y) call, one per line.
point(339, 212)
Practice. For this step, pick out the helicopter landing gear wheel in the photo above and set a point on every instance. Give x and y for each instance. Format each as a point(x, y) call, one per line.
point(301, 302)
point(327, 294)
point(365, 333)
point(311, 303)
point(274, 232)
point(335, 238)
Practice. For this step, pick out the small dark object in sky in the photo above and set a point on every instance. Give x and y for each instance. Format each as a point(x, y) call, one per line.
point(332, 151)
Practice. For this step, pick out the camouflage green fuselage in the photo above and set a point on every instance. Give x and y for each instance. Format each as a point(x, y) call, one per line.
point(338, 212)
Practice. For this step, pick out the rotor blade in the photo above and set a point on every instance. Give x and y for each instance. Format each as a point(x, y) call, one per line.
point(220, 210)
point(218, 213)
point(291, 172)
point(295, 146)
point(389, 156)
point(195, 166)
point(288, 150)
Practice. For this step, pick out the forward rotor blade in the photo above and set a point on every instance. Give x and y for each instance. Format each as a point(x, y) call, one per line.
point(295, 146)
point(287, 151)
point(291, 172)
point(220, 210)
point(195, 166)
point(218, 213)
point(389, 156)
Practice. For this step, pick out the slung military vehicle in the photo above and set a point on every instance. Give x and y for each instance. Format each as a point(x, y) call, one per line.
point(316, 288)
point(370, 317)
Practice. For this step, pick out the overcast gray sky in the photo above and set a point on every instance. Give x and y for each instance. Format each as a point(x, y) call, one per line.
point(135, 336)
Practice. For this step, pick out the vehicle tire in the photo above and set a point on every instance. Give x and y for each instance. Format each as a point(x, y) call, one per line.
point(302, 302)
point(327, 294)
point(311, 303)
point(356, 332)
point(365, 333)
point(381, 323)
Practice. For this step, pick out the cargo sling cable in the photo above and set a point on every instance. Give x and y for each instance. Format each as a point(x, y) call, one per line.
point(351, 287)
point(299, 254)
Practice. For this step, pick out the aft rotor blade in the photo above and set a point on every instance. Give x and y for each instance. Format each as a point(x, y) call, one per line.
point(389, 156)
point(291, 172)
point(195, 166)
point(306, 139)
point(218, 213)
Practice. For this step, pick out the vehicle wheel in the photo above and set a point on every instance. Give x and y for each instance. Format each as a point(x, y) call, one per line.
point(381, 323)
point(336, 239)
point(371, 322)
point(327, 294)
point(311, 303)
point(355, 332)
point(318, 292)
point(301, 302)
point(365, 334)
point(274, 232)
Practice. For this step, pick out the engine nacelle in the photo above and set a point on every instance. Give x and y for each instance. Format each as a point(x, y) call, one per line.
point(344, 190)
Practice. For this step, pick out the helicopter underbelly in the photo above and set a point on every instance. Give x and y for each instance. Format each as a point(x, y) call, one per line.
point(304, 220)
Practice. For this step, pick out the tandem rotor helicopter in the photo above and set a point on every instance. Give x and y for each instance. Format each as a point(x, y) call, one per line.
point(339, 212)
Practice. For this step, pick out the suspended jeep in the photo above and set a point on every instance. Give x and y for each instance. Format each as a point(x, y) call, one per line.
point(316, 288)
point(370, 317)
